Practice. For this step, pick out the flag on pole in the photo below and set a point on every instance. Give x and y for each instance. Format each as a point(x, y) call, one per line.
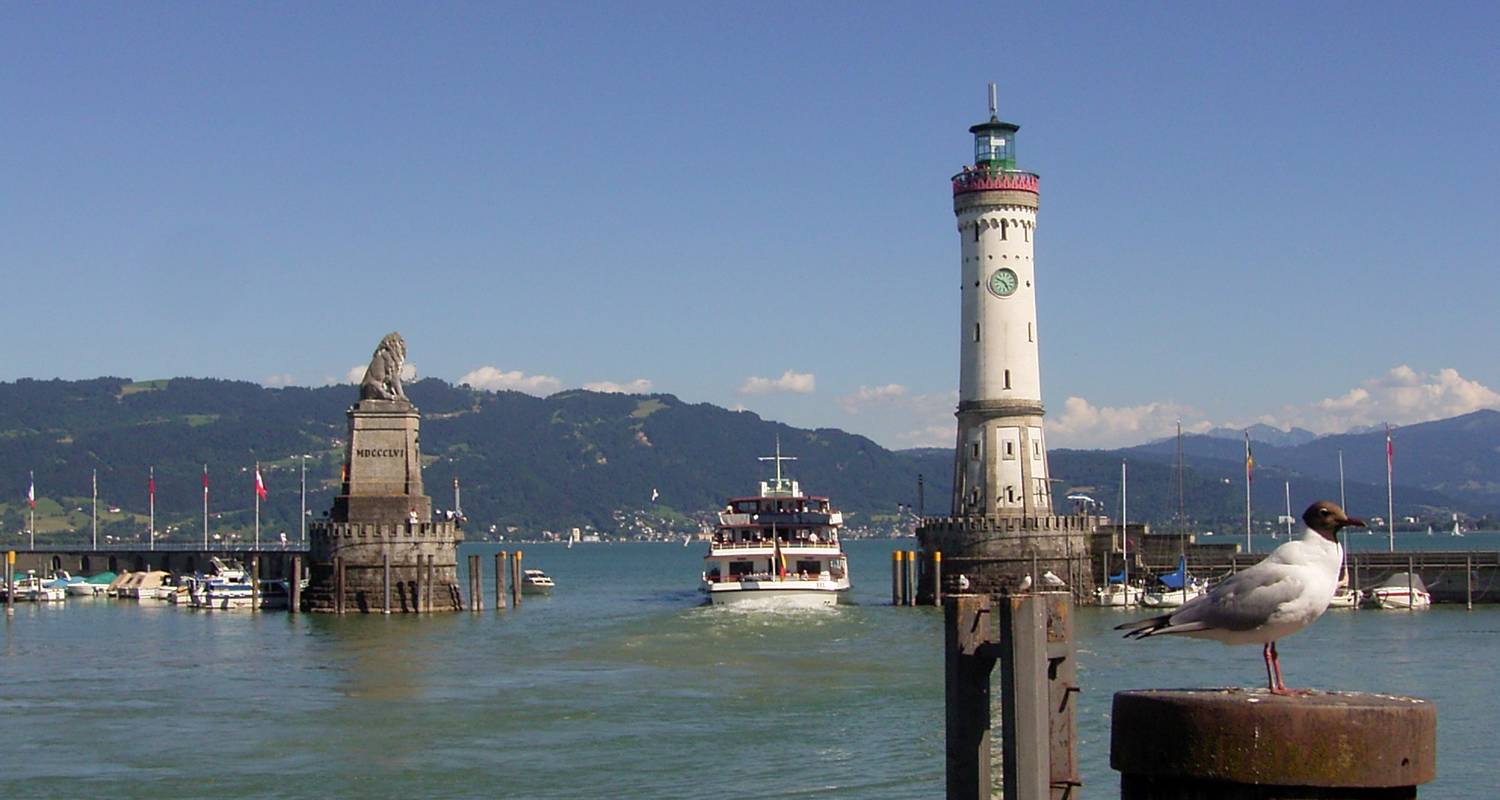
point(1249, 459)
point(31, 491)
point(1390, 449)
point(205, 481)
point(151, 484)
point(96, 484)
point(260, 485)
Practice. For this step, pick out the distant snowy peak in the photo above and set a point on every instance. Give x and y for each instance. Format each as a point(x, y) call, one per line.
point(1267, 434)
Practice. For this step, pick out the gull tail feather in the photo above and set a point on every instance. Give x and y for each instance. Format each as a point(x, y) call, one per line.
point(1153, 626)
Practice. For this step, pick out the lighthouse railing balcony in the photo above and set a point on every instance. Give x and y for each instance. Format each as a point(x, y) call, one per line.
point(986, 178)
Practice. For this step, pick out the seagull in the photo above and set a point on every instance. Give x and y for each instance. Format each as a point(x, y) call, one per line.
point(1281, 595)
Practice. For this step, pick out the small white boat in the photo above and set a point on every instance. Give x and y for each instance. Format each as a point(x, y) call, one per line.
point(1173, 598)
point(1344, 598)
point(32, 589)
point(1402, 590)
point(535, 581)
point(1118, 595)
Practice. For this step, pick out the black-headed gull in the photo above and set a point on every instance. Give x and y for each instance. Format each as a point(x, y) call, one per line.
point(1279, 596)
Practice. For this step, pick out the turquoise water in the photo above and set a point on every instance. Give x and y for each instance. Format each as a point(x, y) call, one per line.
point(620, 685)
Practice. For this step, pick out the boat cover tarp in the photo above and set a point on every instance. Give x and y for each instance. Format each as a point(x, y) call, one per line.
point(1398, 581)
point(102, 579)
point(1173, 580)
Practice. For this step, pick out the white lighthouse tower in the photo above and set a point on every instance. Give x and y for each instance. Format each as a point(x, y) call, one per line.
point(1002, 529)
point(1000, 467)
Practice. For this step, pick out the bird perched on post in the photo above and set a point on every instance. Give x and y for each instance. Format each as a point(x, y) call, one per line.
point(1284, 593)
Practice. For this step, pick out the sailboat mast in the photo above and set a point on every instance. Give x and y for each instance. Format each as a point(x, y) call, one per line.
point(1124, 533)
point(1390, 498)
point(302, 530)
point(1249, 468)
point(94, 517)
point(1288, 509)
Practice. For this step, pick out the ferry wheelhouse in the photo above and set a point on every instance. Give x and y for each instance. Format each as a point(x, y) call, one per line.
point(779, 548)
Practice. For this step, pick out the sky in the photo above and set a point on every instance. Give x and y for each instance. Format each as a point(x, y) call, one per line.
point(1259, 212)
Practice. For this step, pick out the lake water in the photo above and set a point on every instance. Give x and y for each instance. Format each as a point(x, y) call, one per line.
point(620, 685)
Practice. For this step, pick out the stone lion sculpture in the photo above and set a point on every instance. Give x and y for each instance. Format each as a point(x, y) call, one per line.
point(383, 377)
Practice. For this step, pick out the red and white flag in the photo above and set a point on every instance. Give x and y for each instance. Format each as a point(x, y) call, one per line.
point(260, 484)
point(31, 491)
point(205, 480)
point(151, 484)
point(1390, 450)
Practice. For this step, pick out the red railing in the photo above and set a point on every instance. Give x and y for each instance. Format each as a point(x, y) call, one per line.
point(984, 179)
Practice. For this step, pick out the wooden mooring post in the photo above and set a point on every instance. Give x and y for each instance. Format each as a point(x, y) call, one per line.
point(1033, 645)
point(937, 578)
point(338, 584)
point(294, 586)
point(896, 573)
point(385, 583)
point(911, 577)
point(254, 559)
point(1242, 744)
point(500, 561)
point(515, 580)
point(476, 591)
point(10, 583)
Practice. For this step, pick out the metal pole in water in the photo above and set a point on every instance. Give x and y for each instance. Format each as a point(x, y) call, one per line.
point(895, 577)
point(294, 587)
point(1469, 582)
point(515, 581)
point(385, 563)
point(1411, 601)
point(476, 592)
point(911, 578)
point(254, 581)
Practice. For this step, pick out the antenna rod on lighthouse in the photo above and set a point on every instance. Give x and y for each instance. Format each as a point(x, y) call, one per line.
point(994, 105)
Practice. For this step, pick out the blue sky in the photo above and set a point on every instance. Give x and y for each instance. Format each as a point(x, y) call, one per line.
point(1261, 212)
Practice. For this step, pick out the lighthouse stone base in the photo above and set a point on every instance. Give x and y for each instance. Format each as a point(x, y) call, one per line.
point(995, 553)
point(382, 516)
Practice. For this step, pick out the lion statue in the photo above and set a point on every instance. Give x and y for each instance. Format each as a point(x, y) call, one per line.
point(383, 377)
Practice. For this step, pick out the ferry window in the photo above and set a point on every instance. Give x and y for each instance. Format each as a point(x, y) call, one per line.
point(738, 568)
point(810, 567)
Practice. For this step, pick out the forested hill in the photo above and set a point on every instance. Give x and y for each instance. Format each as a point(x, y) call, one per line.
point(582, 458)
point(573, 459)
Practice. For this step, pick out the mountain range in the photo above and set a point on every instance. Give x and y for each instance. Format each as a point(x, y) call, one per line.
point(618, 462)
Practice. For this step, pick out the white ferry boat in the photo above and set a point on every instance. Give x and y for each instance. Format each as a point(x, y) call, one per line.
point(779, 548)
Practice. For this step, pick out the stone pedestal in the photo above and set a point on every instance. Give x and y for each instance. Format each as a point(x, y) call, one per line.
point(995, 553)
point(382, 516)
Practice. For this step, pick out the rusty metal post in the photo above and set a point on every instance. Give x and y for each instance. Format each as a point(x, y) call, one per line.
point(968, 660)
point(937, 578)
point(501, 559)
point(1411, 604)
point(1253, 745)
point(294, 586)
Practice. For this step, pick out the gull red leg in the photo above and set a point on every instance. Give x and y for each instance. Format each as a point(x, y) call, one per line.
point(1265, 653)
point(1280, 687)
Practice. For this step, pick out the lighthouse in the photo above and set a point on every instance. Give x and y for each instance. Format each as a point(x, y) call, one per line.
point(1000, 463)
point(1002, 526)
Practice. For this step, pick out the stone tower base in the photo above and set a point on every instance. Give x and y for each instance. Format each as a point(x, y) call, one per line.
point(364, 548)
point(997, 553)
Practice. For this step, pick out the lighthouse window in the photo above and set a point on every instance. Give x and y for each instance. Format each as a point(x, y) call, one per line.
point(1010, 449)
point(1003, 226)
point(1028, 333)
point(976, 231)
point(975, 447)
point(976, 333)
point(1007, 375)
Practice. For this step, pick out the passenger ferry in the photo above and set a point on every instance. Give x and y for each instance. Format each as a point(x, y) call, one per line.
point(779, 548)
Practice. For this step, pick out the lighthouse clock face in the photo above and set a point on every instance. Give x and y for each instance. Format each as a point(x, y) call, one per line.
point(1003, 282)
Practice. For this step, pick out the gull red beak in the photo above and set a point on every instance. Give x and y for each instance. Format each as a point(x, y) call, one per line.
point(1354, 522)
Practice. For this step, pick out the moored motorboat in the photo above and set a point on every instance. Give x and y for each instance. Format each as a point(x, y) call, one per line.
point(1403, 590)
point(535, 581)
point(1118, 595)
point(779, 548)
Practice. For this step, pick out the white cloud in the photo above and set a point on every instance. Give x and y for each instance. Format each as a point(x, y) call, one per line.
point(1083, 424)
point(279, 381)
point(637, 386)
point(1402, 396)
point(794, 382)
point(867, 396)
point(494, 380)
